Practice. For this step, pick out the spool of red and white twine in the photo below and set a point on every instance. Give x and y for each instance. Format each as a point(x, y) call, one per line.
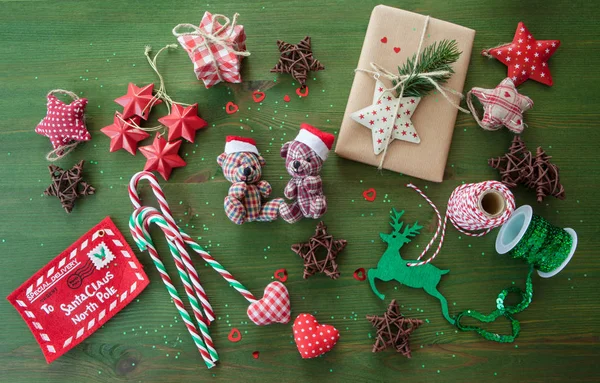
point(177, 240)
point(473, 209)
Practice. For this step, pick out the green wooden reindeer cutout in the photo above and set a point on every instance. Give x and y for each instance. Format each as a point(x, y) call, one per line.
point(391, 266)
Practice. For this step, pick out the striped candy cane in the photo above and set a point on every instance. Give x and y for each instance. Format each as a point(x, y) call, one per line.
point(166, 212)
point(465, 213)
point(139, 229)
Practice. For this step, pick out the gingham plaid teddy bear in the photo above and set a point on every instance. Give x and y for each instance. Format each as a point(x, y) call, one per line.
point(304, 159)
point(242, 166)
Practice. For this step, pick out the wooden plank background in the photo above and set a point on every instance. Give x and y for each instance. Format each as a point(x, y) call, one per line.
point(96, 48)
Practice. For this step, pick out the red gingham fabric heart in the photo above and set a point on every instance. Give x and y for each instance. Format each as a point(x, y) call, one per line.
point(273, 307)
point(313, 339)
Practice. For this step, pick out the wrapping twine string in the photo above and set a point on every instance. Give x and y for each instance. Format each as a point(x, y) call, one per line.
point(214, 37)
point(466, 214)
point(378, 71)
point(139, 224)
point(63, 150)
point(159, 94)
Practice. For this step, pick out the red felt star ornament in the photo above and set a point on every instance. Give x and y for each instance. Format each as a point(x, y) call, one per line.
point(64, 123)
point(162, 156)
point(526, 57)
point(123, 135)
point(183, 122)
point(138, 101)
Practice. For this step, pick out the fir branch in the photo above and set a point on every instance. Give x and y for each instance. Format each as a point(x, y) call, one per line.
point(438, 56)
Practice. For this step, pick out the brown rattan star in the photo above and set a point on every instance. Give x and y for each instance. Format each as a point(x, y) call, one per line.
point(67, 185)
point(519, 166)
point(393, 330)
point(308, 252)
point(297, 59)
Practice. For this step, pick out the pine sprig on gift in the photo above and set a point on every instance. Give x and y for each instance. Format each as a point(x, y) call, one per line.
point(438, 56)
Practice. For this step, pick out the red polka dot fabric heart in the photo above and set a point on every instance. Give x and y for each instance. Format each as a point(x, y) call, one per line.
point(273, 307)
point(64, 123)
point(313, 339)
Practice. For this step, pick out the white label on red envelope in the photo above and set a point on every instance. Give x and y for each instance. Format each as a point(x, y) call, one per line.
point(80, 290)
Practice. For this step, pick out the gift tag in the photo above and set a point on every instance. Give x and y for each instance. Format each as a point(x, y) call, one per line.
point(80, 290)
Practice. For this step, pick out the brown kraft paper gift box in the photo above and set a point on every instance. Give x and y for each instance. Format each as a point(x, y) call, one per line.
point(433, 119)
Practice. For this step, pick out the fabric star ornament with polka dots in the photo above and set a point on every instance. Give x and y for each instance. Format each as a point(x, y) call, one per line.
point(64, 123)
point(313, 339)
point(138, 101)
point(162, 156)
point(183, 122)
point(526, 57)
point(123, 135)
point(388, 115)
point(502, 106)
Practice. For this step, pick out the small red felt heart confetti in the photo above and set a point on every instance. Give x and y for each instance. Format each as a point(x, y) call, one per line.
point(313, 339)
point(370, 194)
point(397, 49)
point(258, 96)
point(281, 275)
point(302, 92)
point(506, 94)
point(255, 354)
point(286, 98)
point(360, 274)
point(234, 335)
point(384, 40)
point(231, 108)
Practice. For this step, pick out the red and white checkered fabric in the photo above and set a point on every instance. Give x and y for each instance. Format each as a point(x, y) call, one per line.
point(502, 106)
point(226, 62)
point(273, 307)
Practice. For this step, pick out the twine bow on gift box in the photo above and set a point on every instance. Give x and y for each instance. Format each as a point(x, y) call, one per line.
point(217, 37)
point(432, 79)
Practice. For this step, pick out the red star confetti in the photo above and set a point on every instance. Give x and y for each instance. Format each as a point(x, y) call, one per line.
point(502, 106)
point(162, 156)
point(183, 122)
point(123, 135)
point(64, 123)
point(138, 101)
point(388, 113)
point(526, 57)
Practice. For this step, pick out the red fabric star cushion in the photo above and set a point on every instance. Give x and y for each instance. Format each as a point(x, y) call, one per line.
point(162, 156)
point(138, 101)
point(526, 57)
point(64, 123)
point(183, 122)
point(123, 135)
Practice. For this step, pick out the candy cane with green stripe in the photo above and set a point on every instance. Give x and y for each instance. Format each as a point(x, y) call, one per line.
point(139, 229)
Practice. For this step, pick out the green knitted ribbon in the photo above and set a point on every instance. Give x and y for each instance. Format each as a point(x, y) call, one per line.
point(544, 247)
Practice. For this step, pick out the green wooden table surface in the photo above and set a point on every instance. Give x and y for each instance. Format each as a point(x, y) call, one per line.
point(96, 48)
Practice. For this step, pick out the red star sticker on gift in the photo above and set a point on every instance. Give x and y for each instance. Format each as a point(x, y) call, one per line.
point(162, 156)
point(183, 122)
point(138, 101)
point(123, 135)
point(64, 123)
point(526, 57)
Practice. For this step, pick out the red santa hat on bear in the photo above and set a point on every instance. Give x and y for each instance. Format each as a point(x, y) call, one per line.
point(237, 144)
point(320, 142)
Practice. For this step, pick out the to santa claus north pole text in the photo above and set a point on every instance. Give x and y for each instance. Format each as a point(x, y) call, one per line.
point(100, 290)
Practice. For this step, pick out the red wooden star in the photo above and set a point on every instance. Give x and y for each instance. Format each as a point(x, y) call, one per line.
point(183, 122)
point(138, 101)
point(64, 123)
point(123, 135)
point(526, 57)
point(162, 156)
